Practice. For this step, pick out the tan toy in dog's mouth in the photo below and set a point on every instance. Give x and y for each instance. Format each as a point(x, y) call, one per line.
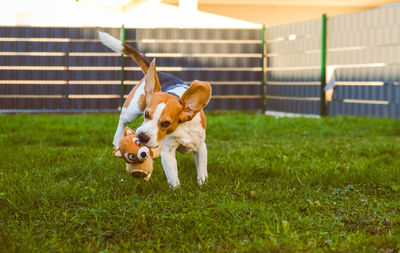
point(138, 157)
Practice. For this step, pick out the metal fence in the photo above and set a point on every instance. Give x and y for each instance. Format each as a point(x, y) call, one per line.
point(54, 69)
point(293, 67)
point(354, 57)
point(361, 63)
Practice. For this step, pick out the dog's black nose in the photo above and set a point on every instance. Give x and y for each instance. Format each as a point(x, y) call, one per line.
point(143, 154)
point(143, 137)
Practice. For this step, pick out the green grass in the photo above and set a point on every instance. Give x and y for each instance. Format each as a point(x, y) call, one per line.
point(329, 184)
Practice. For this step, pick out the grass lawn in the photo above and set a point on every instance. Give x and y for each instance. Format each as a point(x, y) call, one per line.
point(329, 184)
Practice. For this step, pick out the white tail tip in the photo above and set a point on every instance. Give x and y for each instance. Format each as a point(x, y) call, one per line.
point(111, 42)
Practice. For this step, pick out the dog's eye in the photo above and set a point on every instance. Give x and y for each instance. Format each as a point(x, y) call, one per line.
point(138, 143)
point(131, 156)
point(147, 115)
point(165, 124)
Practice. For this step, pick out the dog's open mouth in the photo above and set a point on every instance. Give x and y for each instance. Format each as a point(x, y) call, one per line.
point(140, 174)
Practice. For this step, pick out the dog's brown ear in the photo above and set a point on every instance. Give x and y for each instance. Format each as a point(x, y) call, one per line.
point(152, 82)
point(195, 99)
point(128, 131)
point(117, 153)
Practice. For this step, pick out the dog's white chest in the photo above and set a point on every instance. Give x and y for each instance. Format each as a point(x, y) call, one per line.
point(188, 136)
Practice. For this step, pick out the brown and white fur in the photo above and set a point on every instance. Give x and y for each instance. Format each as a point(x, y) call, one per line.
point(176, 122)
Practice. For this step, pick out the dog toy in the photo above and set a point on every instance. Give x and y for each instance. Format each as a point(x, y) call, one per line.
point(138, 157)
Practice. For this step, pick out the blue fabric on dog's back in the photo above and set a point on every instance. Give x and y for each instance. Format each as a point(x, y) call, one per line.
point(171, 84)
point(168, 80)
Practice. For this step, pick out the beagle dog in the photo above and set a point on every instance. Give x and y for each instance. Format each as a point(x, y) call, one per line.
point(173, 113)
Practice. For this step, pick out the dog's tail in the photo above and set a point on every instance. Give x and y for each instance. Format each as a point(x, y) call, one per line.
point(120, 47)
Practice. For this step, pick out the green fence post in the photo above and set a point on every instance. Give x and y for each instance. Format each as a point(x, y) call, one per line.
point(263, 61)
point(323, 109)
point(122, 90)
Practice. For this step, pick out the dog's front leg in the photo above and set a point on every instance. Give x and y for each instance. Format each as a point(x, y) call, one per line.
point(170, 166)
point(200, 159)
point(119, 133)
point(125, 118)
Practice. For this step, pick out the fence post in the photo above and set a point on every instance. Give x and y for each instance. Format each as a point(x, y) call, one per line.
point(263, 62)
point(323, 109)
point(122, 90)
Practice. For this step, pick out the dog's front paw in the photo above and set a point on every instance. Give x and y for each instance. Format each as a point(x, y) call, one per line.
point(174, 184)
point(201, 180)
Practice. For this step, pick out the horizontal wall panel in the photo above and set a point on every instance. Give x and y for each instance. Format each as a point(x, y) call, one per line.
point(94, 89)
point(88, 47)
point(362, 92)
point(33, 46)
point(187, 48)
point(33, 75)
point(221, 90)
point(34, 32)
point(59, 104)
point(33, 103)
point(236, 89)
point(234, 104)
point(302, 29)
point(101, 75)
point(53, 46)
point(55, 32)
point(30, 89)
point(209, 62)
point(379, 17)
point(184, 75)
point(385, 74)
point(294, 90)
point(382, 36)
point(33, 60)
point(204, 75)
point(170, 47)
point(364, 56)
point(233, 62)
point(358, 109)
point(94, 104)
point(193, 34)
point(294, 106)
point(92, 32)
point(97, 61)
point(302, 75)
point(294, 60)
point(299, 45)
point(217, 90)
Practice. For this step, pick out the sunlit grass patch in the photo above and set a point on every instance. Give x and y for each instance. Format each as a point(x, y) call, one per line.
point(274, 184)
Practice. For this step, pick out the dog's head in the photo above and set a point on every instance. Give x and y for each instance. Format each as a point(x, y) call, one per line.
point(164, 112)
point(137, 156)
